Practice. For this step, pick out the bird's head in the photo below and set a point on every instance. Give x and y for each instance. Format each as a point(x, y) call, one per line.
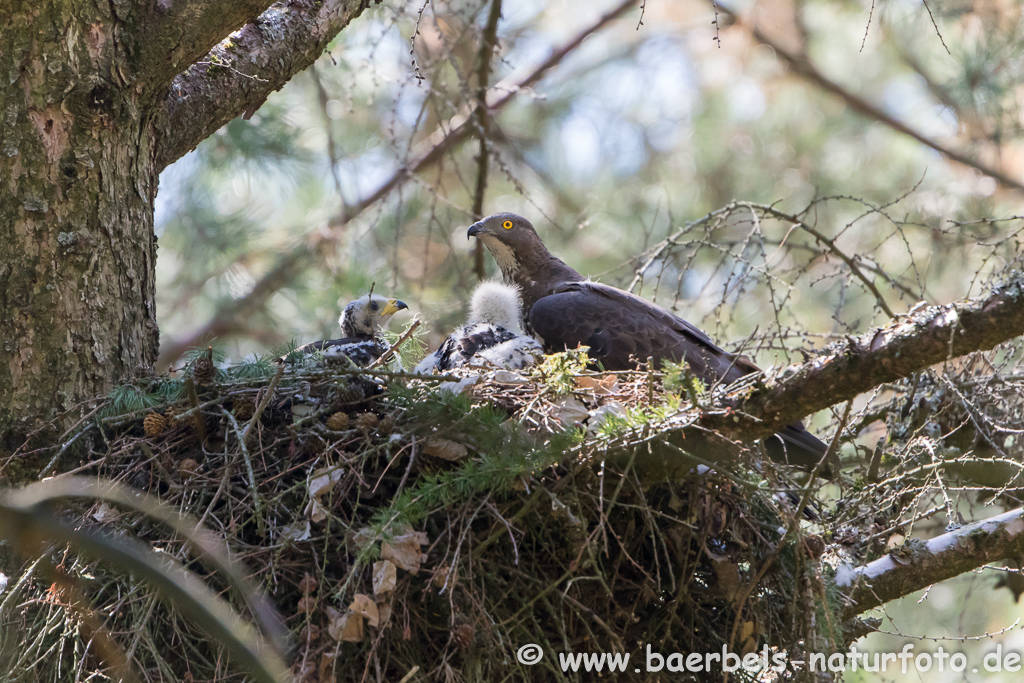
point(497, 304)
point(367, 315)
point(511, 239)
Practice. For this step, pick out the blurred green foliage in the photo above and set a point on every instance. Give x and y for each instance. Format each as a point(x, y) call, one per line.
point(642, 128)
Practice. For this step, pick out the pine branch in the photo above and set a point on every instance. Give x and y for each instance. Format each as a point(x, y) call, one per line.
point(802, 66)
point(453, 132)
point(488, 42)
point(174, 34)
point(236, 76)
point(920, 564)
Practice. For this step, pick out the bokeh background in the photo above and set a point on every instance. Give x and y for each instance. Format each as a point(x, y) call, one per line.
point(885, 136)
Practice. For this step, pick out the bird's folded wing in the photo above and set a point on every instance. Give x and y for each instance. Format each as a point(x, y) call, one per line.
point(623, 329)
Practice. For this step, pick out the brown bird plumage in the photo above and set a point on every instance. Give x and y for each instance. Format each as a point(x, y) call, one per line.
point(564, 310)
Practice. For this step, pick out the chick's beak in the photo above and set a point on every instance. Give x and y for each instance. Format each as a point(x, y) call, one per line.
point(393, 306)
point(476, 229)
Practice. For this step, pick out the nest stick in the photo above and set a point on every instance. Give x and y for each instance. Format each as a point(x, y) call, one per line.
point(242, 437)
point(197, 417)
point(257, 500)
point(386, 356)
point(263, 404)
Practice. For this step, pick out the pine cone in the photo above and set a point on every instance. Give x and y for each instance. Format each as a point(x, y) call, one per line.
point(188, 468)
point(386, 424)
point(350, 393)
point(244, 408)
point(203, 370)
point(154, 424)
point(463, 635)
point(366, 421)
point(338, 421)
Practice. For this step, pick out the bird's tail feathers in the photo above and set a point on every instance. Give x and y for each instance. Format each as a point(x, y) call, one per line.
point(794, 445)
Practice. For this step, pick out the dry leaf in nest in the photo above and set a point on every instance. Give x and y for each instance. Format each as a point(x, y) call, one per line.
point(384, 609)
point(335, 620)
point(352, 628)
point(508, 377)
point(570, 411)
point(299, 531)
point(104, 513)
point(188, 468)
point(601, 415)
point(384, 577)
point(309, 633)
point(306, 605)
point(445, 449)
point(727, 576)
point(328, 660)
point(404, 551)
point(361, 539)
point(365, 605)
point(323, 480)
point(749, 635)
point(338, 422)
point(463, 386)
point(154, 424)
point(347, 627)
point(301, 410)
point(600, 386)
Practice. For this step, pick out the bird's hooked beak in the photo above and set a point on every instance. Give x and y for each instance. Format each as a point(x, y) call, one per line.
point(393, 306)
point(476, 229)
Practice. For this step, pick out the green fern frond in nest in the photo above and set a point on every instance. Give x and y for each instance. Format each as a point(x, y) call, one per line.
point(680, 379)
point(559, 370)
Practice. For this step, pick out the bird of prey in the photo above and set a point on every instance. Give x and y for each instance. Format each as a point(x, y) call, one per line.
point(361, 324)
point(493, 334)
point(564, 310)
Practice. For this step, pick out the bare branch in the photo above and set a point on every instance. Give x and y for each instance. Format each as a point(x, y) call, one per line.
point(917, 565)
point(483, 75)
point(175, 33)
point(454, 131)
point(715, 433)
point(237, 76)
point(901, 348)
point(803, 67)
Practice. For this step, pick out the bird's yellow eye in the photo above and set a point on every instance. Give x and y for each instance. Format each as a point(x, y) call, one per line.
point(507, 225)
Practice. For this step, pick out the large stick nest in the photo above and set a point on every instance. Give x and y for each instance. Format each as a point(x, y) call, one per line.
point(425, 530)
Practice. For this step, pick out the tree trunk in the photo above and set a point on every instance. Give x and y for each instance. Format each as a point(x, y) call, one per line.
point(99, 98)
point(76, 214)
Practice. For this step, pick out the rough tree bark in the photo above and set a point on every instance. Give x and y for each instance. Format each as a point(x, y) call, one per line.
point(98, 99)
